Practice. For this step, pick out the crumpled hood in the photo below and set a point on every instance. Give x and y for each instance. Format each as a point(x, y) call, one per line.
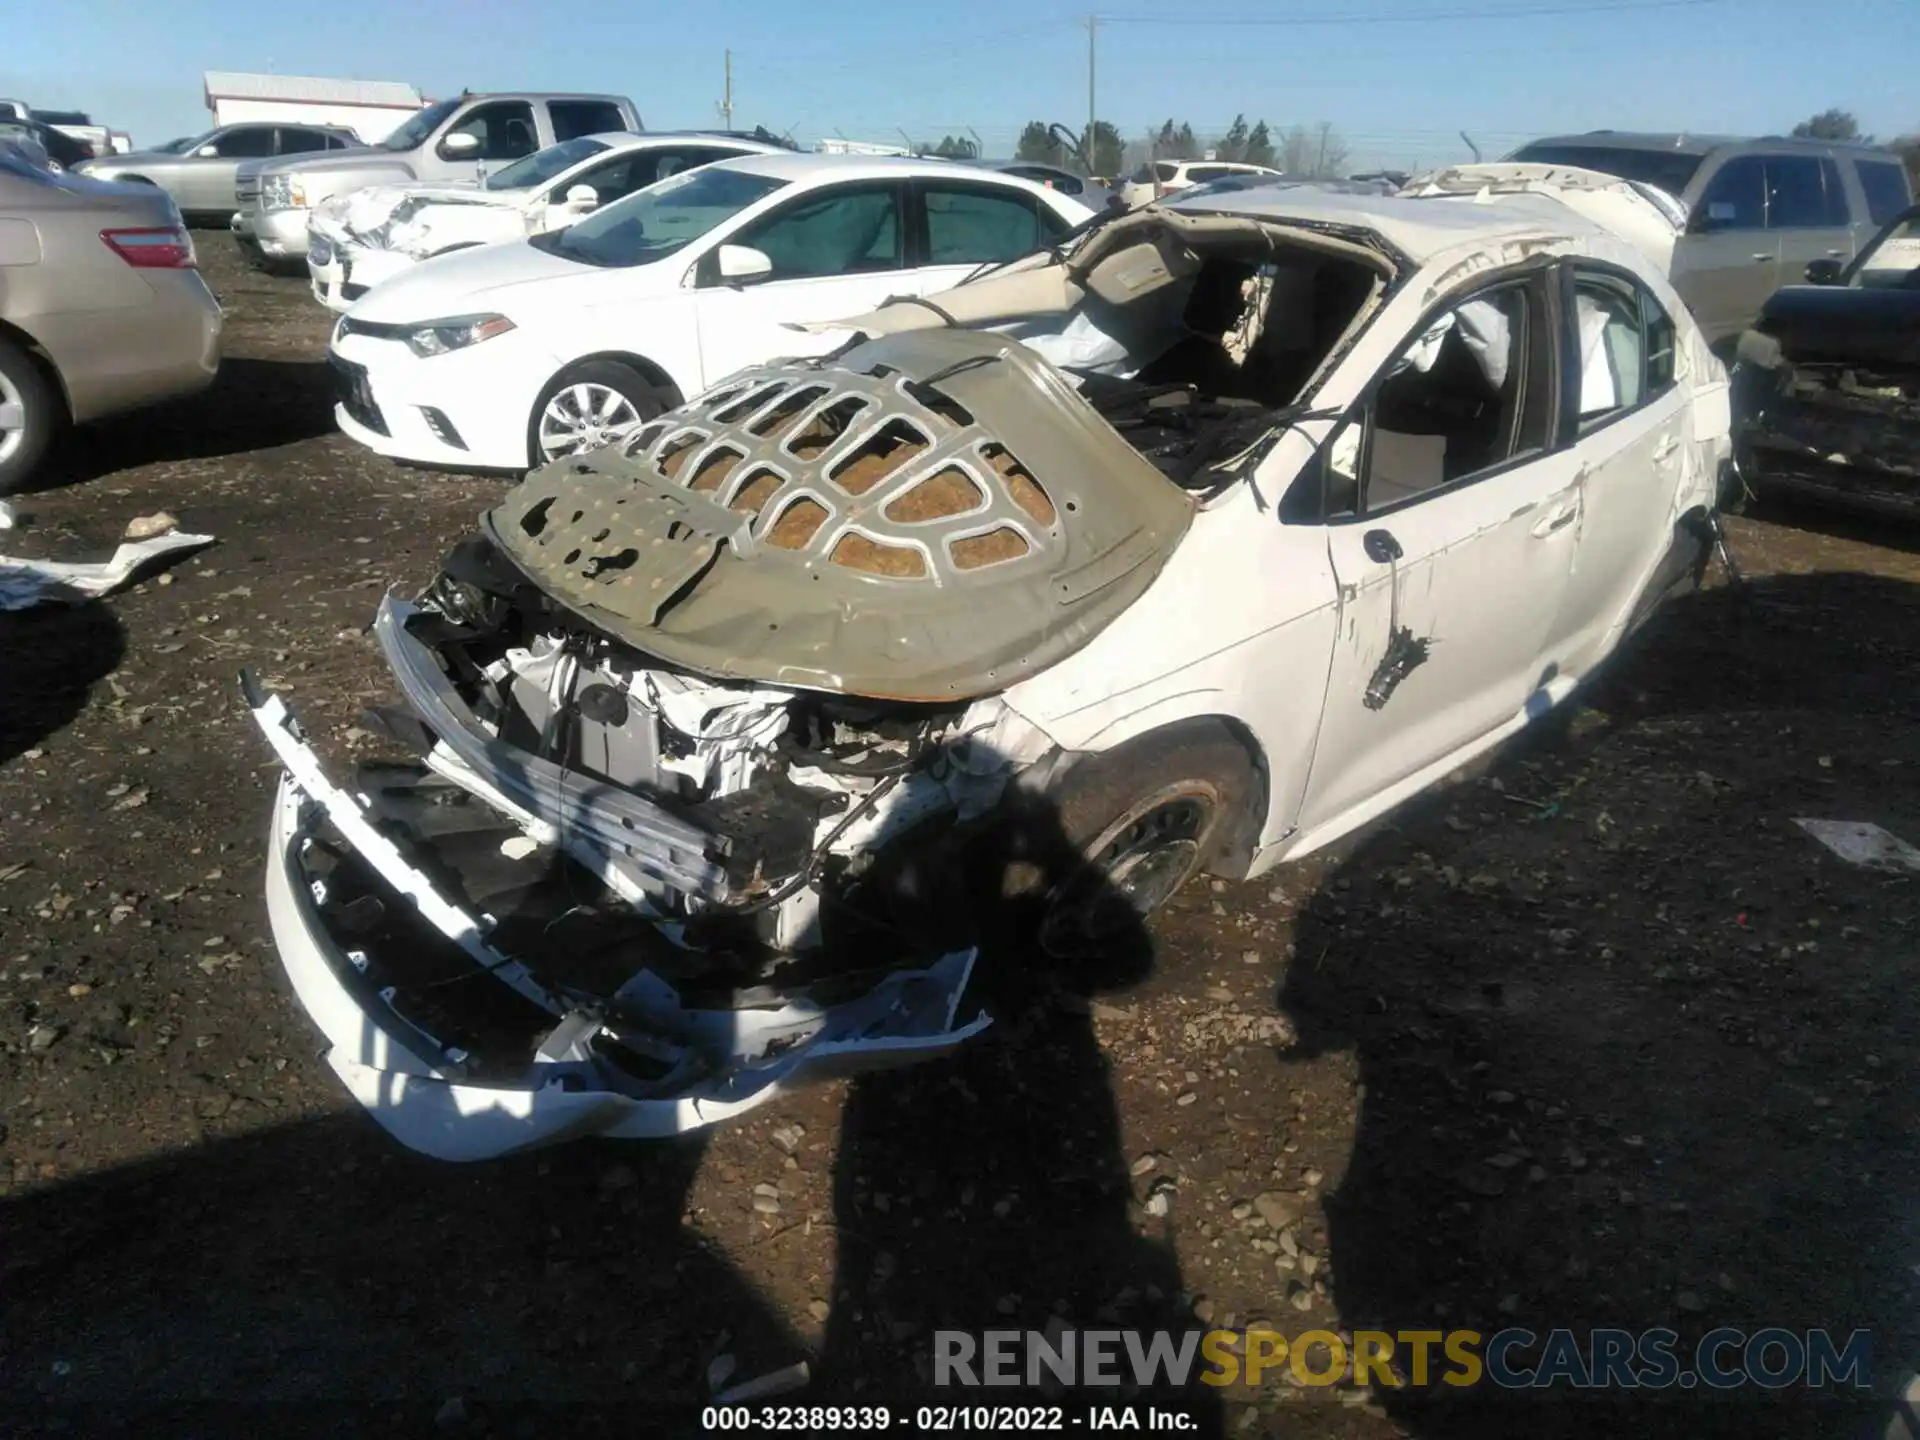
point(385, 215)
point(929, 516)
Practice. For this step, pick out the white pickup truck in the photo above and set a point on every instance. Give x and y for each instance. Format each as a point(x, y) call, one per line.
point(462, 138)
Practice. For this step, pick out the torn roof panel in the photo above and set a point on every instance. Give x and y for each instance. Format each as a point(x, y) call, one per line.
point(929, 516)
point(1415, 227)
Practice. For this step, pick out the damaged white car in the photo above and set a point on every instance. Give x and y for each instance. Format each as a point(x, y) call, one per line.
point(1191, 544)
point(365, 236)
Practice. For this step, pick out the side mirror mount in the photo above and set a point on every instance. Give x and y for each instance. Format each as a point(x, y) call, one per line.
point(742, 264)
point(1824, 271)
point(208, 152)
point(582, 197)
point(461, 145)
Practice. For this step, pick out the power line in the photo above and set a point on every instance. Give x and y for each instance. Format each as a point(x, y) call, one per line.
point(1402, 17)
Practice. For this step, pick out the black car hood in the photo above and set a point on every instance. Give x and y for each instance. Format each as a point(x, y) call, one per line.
point(1844, 323)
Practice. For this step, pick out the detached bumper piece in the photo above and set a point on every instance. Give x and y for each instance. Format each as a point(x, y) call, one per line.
point(464, 1052)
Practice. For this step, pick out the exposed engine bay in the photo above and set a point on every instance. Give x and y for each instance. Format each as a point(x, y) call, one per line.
point(702, 728)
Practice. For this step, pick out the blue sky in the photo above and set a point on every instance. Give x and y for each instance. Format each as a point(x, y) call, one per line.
point(1400, 78)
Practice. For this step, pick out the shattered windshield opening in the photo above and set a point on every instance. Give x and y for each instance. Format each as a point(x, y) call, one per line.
point(653, 223)
point(414, 132)
point(543, 165)
point(1667, 169)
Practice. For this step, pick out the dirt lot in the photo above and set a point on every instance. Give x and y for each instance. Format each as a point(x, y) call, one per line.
point(1597, 1037)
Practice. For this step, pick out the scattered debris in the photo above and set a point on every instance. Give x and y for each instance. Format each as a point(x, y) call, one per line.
point(26, 583)
point(151, 527)
point(1863, 843)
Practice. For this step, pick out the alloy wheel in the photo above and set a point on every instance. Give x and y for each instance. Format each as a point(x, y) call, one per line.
point(13, 419)
point(584, 416)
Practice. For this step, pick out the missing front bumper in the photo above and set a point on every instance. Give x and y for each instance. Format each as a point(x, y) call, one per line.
point(577, 1075)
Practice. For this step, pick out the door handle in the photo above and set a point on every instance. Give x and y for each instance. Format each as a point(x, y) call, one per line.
point(1668, 444)
point(1763, 259)
point(1559, 520)
point(1836, 253)
point(1381, 547)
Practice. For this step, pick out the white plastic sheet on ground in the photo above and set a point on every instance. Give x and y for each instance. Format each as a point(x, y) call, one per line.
point(26, 583)
point(1863, 843)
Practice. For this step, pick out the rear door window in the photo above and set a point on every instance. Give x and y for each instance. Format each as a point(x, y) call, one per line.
point(847, 230)
point(1796, 195)
point(574, 118)
point(975, 224)
point(294, 140)
point(1885, 184)
point(1736, 196)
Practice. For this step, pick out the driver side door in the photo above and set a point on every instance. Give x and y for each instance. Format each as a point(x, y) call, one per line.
point(1451, 520)
point(836, 250)
point(1728, 262)
point(207, 184)
point(505, 130)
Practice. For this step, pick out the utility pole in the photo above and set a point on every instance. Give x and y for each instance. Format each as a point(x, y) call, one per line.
point(1086, 145)
point(726, 100)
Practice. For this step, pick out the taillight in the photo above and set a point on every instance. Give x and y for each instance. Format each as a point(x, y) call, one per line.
point(156, 249)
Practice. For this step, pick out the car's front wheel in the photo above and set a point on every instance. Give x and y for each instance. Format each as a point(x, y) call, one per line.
point(1136, 824)
point(30, 416)
point(593, 404)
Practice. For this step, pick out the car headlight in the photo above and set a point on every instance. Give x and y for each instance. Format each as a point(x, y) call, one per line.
point(437, 337)
point(283, 192)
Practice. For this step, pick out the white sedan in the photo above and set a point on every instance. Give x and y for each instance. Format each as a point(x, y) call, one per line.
point(513, 354)
point(1190, 546)
point(367, 236)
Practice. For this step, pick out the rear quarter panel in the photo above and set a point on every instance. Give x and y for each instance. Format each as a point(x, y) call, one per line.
point(113, 334)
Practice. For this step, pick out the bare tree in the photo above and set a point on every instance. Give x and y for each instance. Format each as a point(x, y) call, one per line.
point(1313, 153)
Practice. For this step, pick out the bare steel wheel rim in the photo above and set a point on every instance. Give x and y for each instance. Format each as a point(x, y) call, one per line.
point(13, 419)
point(584, 416)
point(1133, 867)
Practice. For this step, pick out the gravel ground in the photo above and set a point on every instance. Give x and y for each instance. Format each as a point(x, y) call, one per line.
point(1595, 1036)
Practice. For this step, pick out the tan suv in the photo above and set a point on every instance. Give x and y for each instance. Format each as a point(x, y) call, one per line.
point(1760, 211)
point(101, 308)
